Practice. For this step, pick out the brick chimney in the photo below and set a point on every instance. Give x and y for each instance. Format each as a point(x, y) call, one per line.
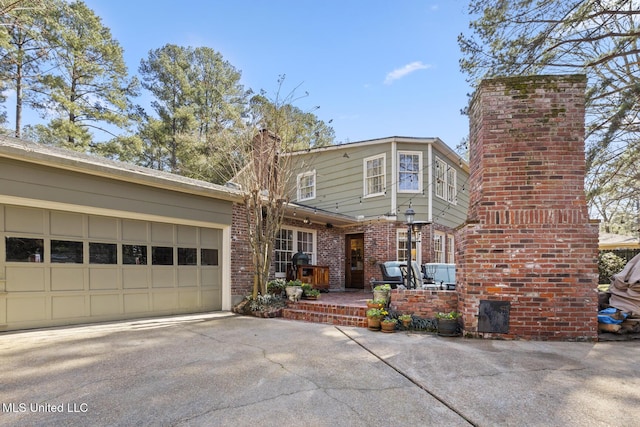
point(527, 255)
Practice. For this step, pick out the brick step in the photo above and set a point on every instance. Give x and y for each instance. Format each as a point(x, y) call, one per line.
point(332, 314)
point(324, 318)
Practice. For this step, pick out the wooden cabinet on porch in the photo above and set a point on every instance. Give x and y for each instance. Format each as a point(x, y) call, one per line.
point(315, 275)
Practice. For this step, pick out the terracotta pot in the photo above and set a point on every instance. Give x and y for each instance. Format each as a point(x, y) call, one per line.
point(373, 305)
point(406, 323)
point(388, 327)
point(374, 323)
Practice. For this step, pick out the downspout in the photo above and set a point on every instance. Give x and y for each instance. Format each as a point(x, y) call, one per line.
point(430, 187)
point(394, 188)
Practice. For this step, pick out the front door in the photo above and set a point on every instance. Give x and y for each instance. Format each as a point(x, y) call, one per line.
point(355, 261)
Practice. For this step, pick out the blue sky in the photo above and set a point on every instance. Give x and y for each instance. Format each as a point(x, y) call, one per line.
point(376, 68)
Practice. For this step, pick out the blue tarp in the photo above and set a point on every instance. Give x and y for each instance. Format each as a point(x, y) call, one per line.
point(605, 316)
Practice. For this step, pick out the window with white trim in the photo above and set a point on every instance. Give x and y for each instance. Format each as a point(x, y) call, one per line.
point(446, 181)
point(438, 247)
point(283, 251)
point(288, 242)
point(409, 171)
point(451, 185)
point(374, 176)
point(450, 248)
point(307, 185)
point(440, 177)
point(401, 246)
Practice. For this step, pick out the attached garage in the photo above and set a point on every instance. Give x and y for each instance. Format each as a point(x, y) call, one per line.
point(84, 239)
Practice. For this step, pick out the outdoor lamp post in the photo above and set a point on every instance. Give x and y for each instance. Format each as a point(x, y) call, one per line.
point(411, 227)
point(409, 215)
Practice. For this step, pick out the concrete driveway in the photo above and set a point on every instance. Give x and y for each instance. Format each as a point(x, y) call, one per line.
point(222, 369)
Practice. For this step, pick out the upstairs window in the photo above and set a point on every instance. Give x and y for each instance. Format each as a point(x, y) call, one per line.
point(441, 167)
point(409, 176)
point(451, 185)
point(446, 181)
point(307, 186)
point(374, 179)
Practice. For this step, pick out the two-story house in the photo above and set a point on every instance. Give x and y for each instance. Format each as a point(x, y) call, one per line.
point(86, 239)
point(349, 201)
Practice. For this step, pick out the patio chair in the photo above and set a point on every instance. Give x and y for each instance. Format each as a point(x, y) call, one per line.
point(391, 274)
point(418, 281)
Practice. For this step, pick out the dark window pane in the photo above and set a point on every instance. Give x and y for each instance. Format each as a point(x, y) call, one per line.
point(187, 256)
point(208, 256)
point(64, 251)
point(20, 249)
point(103, 253)
point(134, 254)
point(161, 255)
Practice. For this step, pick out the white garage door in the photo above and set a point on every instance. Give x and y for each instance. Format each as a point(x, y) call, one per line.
point(65, 267)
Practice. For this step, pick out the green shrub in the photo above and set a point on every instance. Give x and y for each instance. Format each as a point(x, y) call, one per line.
point(608, 265)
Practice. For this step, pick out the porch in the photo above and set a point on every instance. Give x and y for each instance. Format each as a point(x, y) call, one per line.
point(334, 308)
point(349, 308)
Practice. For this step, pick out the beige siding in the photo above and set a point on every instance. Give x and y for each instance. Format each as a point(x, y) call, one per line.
point(48, 185)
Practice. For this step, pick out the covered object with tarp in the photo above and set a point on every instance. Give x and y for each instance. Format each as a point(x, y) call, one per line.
point(625, 288)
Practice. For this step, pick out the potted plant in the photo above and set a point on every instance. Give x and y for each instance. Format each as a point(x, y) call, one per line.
point(294, 290)
point(382, 292)
point(388, 324)
point(374, 315)
point(448, 324)
point(311, 293)
point(406, 320)
point(276, 287)
point(376, 303)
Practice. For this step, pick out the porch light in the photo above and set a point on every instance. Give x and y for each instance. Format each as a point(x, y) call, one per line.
point(409, 215)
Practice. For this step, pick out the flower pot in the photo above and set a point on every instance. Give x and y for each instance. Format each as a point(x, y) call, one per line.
point(406, 323)
point(388, 327)
point(293, 292)
point(374, 323)
point(448, 327)
point(374, 305)
point(381, 295)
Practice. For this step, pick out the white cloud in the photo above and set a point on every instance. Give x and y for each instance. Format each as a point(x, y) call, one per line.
point(399, 73)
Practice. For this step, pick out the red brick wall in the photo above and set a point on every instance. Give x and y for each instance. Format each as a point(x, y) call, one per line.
point(528, 239)
point(423, 303)
point(241, 261)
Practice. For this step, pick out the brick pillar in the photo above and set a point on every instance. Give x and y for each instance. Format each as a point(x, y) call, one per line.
point(242, 267)
point(528, 242)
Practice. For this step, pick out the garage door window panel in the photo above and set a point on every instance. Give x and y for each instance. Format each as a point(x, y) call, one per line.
point(103, 253)
point(21, 249)
point(208, 256)
point(187, 256)
point(66, 252)
point(162, 255)
point(134, 254)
